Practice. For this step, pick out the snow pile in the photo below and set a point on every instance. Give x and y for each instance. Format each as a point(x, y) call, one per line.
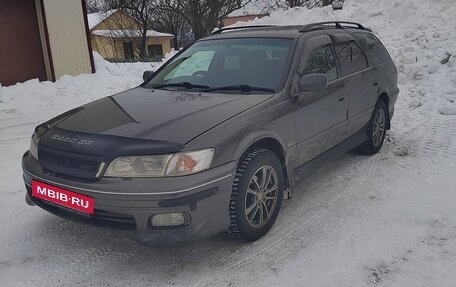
point(420, 36)
point(129, 33)
point(257, 7)
point(39, 100)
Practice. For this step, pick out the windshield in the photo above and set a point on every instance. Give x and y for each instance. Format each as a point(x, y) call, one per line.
point(256, 63)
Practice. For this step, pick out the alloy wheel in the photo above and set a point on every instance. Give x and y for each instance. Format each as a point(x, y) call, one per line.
point(261, 197)
point(379, 127)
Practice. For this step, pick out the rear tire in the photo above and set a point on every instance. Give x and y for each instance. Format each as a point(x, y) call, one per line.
point(376, 130)
point(257, 195)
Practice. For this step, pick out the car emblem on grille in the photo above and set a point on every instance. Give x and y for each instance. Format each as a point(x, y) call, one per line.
point(71, 140)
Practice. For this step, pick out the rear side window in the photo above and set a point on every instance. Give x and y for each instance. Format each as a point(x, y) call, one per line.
point(321, 61)
point(351, 58)
point(374, 46)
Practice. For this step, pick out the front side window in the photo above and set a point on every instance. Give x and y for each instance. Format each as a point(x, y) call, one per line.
point(351, 58)
point(321, 61)
point(257, 62)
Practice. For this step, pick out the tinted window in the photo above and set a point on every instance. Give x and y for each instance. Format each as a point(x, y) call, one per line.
point(321, 61)
point(374, 46)
point(351, 58)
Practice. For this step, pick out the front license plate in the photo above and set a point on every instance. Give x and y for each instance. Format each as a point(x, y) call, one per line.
point(63, 197)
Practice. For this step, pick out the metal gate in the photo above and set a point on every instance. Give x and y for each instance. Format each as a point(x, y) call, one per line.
point(21, 52)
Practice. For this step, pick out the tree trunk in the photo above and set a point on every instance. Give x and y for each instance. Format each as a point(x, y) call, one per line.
point(142, 50)
point(197, 20)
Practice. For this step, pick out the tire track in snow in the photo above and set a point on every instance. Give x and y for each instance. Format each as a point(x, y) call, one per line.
point(85, 255)
point(283, 240)
point(52, 230)
point(292, 221)
point(55, 242)
point(303, 230)
point(440, 139)
point(356, 183)
point(432, 141)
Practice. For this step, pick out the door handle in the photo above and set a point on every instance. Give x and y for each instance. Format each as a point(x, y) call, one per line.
point(376, 83)
point(341, 99)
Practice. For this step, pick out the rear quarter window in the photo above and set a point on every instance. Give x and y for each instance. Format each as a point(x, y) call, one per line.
point(373, 45)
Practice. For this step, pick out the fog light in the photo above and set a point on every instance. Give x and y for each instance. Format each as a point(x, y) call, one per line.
point(168, 219)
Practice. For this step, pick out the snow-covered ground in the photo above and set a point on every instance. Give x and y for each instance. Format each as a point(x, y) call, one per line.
point(385, 220)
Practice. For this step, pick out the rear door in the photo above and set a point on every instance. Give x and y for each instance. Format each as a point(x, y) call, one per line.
point(362, 83)
point(320, 115)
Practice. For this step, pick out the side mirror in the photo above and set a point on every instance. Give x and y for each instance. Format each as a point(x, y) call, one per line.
point(148, 75)
point(313, 82)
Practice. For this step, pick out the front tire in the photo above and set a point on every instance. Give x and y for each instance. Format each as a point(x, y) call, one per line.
point(376, 130)
point(257, 195)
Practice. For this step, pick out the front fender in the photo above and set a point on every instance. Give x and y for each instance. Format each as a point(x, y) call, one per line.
point(254, 137)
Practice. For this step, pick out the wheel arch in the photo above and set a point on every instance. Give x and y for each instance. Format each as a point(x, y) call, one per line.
point(270, 142)
point(384, 97)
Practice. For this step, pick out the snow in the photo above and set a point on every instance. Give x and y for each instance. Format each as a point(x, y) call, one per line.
point(129, 33)
point(385, 220)
point(23, 100)
point(448, 110)
point(256, 7)
point(96, 18)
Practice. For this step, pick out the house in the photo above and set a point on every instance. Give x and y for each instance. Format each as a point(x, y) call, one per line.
point(117, 37)
point(43, 39)
point(230, 20)
point(252, 10)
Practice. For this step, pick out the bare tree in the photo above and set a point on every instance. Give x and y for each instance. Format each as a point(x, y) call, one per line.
point(166, 17)
point(205, 15)
point(309, 3)
point(93, 6)
point(180, 17)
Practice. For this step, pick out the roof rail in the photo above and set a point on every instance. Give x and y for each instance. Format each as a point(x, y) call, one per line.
point(221, 30)
point(338, 25)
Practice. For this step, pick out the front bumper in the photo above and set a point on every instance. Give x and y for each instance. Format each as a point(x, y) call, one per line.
point(128, 204)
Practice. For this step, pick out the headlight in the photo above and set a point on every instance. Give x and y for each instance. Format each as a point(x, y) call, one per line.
point(34, 146)
point(190, 162)
point(161, 165)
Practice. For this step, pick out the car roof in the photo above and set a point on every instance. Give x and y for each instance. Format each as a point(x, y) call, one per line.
point(291, 31)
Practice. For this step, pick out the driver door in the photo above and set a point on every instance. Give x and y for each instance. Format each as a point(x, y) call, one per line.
point(321, 116)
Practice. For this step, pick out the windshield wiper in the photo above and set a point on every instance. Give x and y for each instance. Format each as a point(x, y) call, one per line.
point(186, 85)
point(242, 88)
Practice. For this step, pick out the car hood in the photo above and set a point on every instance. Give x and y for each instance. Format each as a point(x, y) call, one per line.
point(172, 116)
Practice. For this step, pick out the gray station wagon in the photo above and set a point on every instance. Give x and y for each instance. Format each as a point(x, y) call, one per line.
point(213, 140)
